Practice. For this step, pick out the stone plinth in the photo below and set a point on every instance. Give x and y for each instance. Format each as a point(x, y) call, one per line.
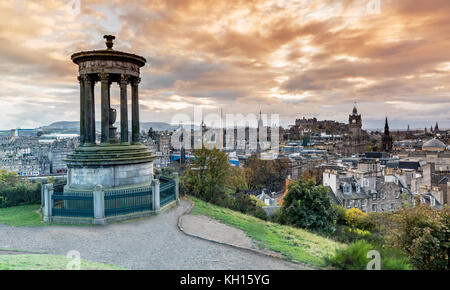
point(109, 166)
point(110, 176)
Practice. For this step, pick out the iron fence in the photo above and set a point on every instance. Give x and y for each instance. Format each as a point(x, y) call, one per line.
point(126, 201)
point(73, 204)
point(166, 191)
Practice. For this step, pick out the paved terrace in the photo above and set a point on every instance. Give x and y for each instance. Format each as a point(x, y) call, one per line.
point(151, 243)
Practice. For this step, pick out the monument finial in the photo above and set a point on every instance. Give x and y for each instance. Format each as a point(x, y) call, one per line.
point(109, 41)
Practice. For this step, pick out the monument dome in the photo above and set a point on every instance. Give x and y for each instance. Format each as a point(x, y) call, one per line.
point(433, 145)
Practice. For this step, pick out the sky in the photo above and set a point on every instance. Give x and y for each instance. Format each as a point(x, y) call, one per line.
point(293, 58)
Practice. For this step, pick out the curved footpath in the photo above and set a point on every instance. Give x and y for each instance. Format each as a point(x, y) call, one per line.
point(150, 243)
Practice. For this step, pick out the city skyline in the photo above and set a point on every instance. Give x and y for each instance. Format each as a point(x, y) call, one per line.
point(292, 58)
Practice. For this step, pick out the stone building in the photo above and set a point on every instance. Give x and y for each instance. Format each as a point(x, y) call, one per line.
point(369, 194)
point(355, 142)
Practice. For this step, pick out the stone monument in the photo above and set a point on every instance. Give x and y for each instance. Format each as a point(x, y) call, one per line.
point(112, 162)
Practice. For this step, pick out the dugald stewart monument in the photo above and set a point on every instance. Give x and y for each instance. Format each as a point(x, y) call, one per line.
point(111, 163)
point(113, 179)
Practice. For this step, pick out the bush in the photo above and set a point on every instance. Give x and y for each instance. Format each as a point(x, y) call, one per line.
point(353, 217)
point(354, 257)
point(14, 191)
point(346, 234)
point(249, 204)
point(424, 234)
point(340, 214)
point(308, 206)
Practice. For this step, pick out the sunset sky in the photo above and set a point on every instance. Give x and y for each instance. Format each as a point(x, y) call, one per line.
point(294, 58)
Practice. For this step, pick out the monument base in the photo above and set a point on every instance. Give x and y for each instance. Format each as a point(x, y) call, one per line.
point(110, 166)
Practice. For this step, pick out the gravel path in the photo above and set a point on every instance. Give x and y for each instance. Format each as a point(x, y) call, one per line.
point(151, 243)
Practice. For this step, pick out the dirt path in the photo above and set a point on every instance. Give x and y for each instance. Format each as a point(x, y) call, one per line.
point(150, 243)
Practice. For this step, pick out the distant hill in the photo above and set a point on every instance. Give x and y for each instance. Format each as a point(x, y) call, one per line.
point(74, 126)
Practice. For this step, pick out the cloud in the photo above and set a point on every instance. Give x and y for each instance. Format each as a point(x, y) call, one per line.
point(293, 57)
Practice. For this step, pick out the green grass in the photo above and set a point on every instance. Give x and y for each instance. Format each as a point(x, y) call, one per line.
point(21, 216)
point(295, 244)
point(47, 262)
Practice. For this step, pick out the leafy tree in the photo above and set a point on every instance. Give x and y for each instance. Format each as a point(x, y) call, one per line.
point(308, 206)
point(207, 176)
point(238, 179)
point(266, 173)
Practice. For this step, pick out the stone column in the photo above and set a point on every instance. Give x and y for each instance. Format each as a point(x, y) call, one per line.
point(155, 195)
point(99, 204)
point(177, 187)
point(135, 111)
point(92, 111)
point(82, 111)
point(104, 78)
point(48, 193)
point(89, 120)
point(123, 109)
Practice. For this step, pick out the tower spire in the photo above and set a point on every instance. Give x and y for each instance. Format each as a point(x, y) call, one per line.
point(386, 127)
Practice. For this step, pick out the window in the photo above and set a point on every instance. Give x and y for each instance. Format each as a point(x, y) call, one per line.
point(374, 207)
point(347, 188)
point(383, 195)
point(392, 207)
point(383, 207)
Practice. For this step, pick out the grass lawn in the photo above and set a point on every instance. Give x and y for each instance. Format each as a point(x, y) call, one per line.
point(21, 216)
point(47, 262)
point(295, 244)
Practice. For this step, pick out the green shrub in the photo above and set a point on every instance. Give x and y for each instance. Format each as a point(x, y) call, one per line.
point(340, 212)
point(308, 206)
point(424, 234)
point(248, 204)
point(392, 263)
point(354, 257)
point(14, 191)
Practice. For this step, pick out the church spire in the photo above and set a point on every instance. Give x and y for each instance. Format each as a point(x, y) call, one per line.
point(387, 139)
point(386, 127)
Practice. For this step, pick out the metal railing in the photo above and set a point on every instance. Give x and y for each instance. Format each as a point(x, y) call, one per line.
point(166, 191)
point(120, 202)
point(101, 203)
point(73, 204)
